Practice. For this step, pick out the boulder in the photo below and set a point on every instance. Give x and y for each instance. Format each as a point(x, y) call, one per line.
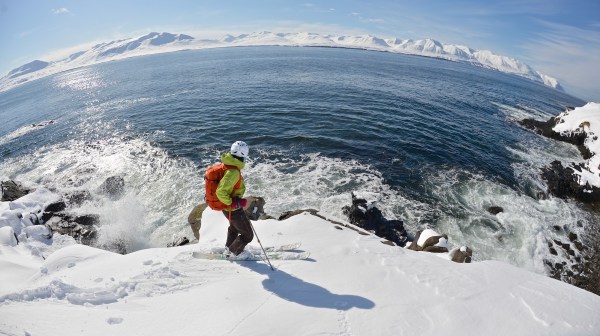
point(78, 197)
point(255, 207)
point(195, 219)
point(462, 254)
point(12, 190)
point(82, 228)
point(113, 187)
point(429, 241)
point(56, 207)
point(494, 210)
point(369, 217)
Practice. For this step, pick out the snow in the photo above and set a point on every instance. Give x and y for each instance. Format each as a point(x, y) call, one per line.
point(584, 119)
point(352, 285)
point(155, 43)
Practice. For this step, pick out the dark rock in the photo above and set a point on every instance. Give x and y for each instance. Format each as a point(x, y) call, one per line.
point(87, 219)
point(113, 187)
point(545, 128)
point(82, 228)
point(371, 219)
point(179, 242)
point(556, 228)
point(56, 207)
point(78, 197)
point(12, 190)
point(572, 236)
point(494, 210)
point(289, 214)
point(563, 182)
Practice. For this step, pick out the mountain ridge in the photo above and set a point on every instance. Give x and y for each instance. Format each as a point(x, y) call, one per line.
point(154, 43)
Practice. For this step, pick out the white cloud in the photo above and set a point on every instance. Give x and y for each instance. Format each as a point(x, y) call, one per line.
point(570, 54)
point(60, 11)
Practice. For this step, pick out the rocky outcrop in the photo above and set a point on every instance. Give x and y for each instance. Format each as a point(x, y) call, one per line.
point(368, 217)
point(580, 256)
point(12, 190)
point(563, 182)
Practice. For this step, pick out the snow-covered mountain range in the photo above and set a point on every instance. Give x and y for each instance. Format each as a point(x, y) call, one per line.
point(154, 43)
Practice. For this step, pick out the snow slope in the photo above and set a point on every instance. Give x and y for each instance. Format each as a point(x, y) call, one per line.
point(154, 43)
point(352, 285)
point(584, 119)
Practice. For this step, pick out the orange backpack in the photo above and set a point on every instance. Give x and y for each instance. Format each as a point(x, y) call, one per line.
point(213, 176)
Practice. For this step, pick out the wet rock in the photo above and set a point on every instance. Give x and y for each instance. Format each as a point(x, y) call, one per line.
point(572, 236)
point(370, 218)
point(113, 187)
point(87, 219)
point(56, 207)
point(494, 210)
point(81, 228)
point(77, 198)
point(563, 183)
point(545, 128)
point(12, 190)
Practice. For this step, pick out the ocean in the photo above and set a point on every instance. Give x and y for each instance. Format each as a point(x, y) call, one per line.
point(434, 142)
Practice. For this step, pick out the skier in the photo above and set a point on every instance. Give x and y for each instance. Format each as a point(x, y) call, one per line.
point(228, 196)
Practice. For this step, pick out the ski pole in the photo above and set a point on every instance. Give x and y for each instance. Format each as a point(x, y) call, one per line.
point(263, 249)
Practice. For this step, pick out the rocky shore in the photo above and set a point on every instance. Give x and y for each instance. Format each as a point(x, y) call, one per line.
point(574, 182)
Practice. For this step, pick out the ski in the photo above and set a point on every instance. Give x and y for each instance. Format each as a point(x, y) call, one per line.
point(286, 247)
point(283, 255)
point(257, 249)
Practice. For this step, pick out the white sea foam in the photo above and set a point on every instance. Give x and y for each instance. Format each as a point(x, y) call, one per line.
point(161, 190)
point(24, 130)
point(519, 235)
point(515, 113)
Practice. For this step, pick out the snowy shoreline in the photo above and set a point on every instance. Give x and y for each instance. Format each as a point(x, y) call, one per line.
point(581, 127)
point(155, 43)
point(352, 284)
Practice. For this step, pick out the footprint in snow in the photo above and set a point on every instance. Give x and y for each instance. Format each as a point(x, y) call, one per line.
point(114, 320)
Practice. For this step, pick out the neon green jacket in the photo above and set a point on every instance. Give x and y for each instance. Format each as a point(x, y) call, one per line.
point(225, 188)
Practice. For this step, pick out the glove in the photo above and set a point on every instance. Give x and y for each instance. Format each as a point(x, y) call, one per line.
point(237, 203)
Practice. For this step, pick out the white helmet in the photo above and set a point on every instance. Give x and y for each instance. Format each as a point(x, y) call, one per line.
point(239, 149)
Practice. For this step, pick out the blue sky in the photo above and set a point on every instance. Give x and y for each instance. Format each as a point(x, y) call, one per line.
point(558, 38)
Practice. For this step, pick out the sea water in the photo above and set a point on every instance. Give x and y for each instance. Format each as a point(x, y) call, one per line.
point(434, 142)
